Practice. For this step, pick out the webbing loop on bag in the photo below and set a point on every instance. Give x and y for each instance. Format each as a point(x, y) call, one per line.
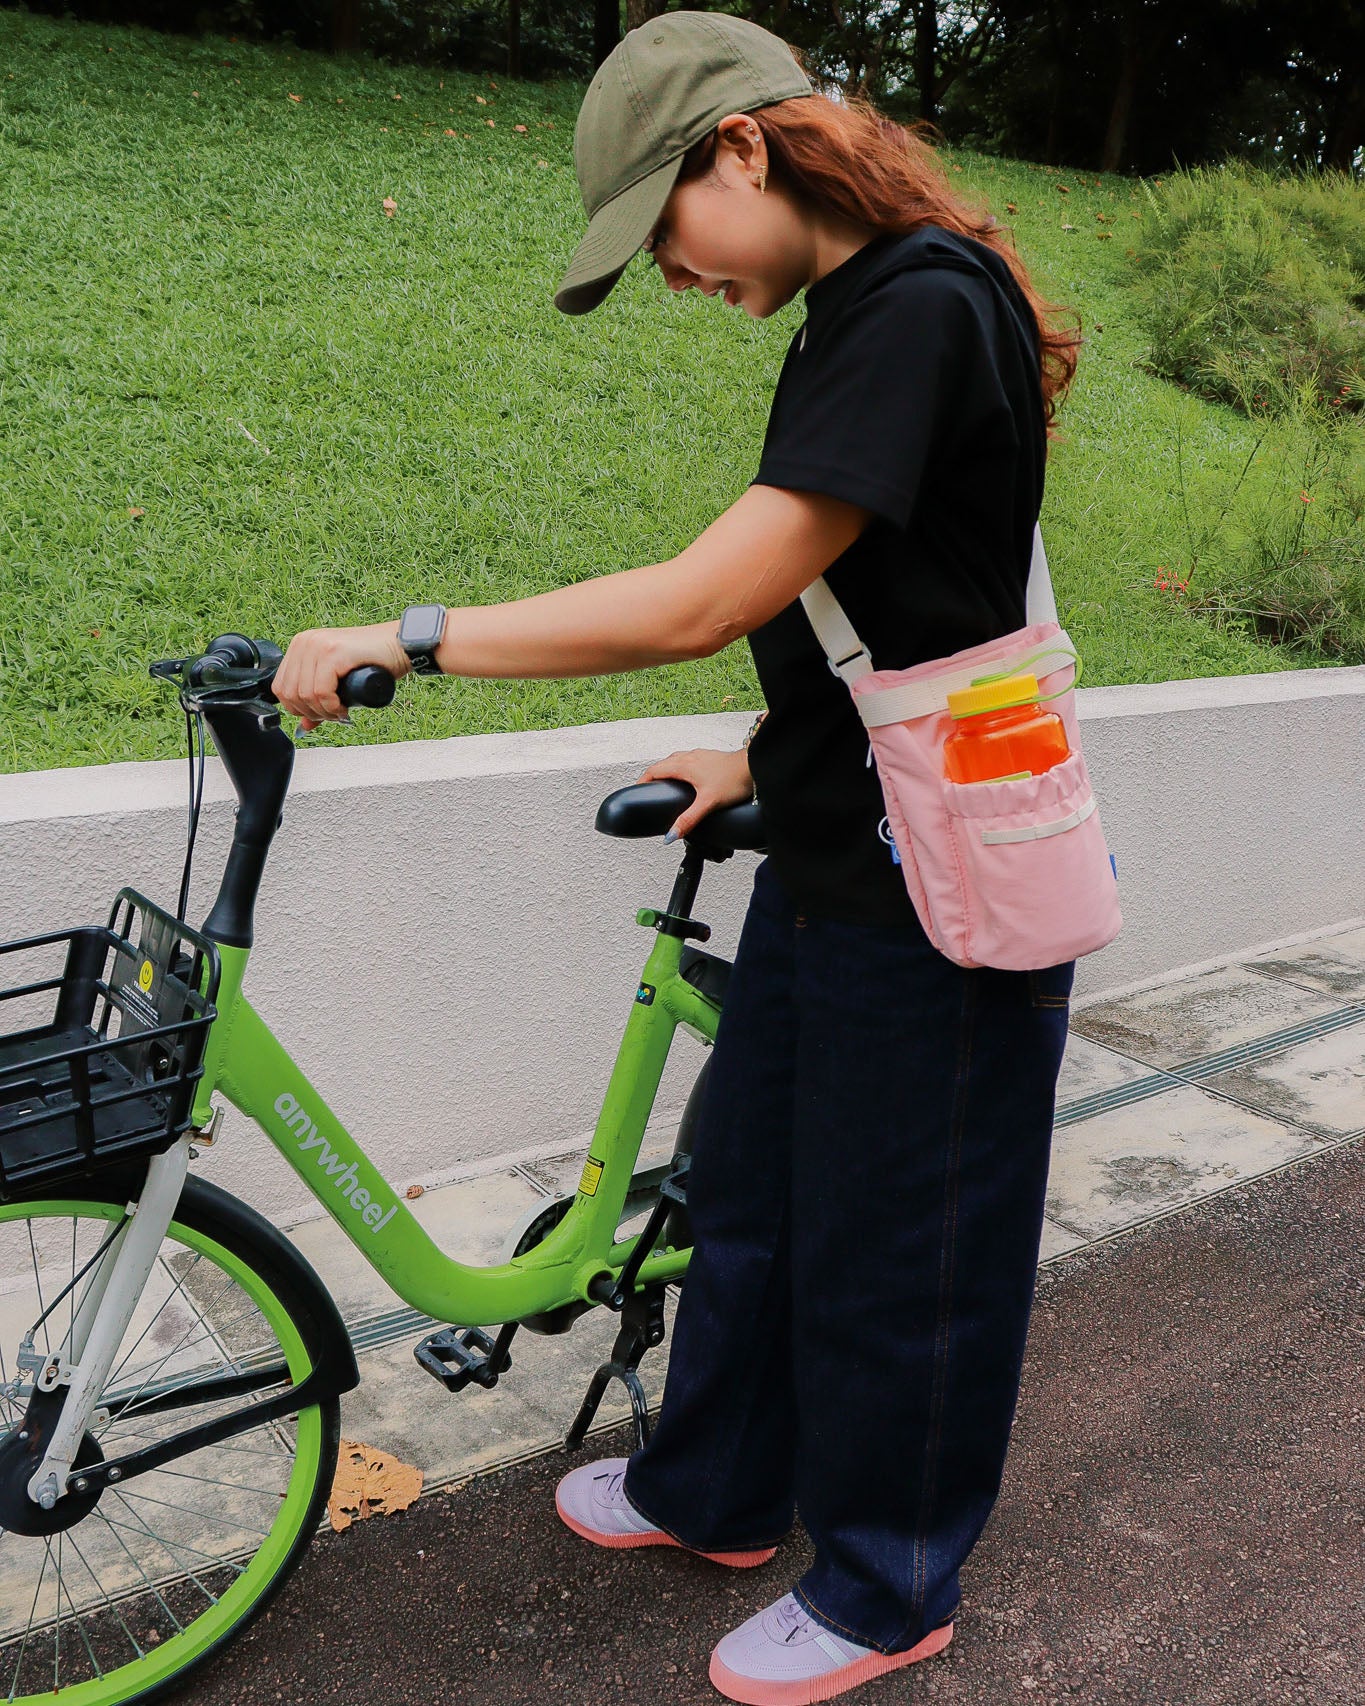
point(923, 698)
point(1039, 831)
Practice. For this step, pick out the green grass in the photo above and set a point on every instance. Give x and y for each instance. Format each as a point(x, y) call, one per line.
point(323, 413)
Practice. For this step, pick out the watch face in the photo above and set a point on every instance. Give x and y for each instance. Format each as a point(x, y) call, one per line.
point(422, 627)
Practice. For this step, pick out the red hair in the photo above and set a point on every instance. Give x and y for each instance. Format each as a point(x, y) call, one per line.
point(849, 159)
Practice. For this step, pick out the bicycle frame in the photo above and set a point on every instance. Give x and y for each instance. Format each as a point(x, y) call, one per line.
point(254, 1071)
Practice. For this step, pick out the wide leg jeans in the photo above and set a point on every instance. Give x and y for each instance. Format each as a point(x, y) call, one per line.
point(866, 1197)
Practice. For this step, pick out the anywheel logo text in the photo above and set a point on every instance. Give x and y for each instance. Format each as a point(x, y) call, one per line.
point(342, 1173)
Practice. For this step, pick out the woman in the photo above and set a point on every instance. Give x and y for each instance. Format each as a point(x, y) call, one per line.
point(869, 1165)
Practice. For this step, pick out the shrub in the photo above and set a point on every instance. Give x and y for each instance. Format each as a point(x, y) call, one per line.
point(1251, 287)
point(1283, 558)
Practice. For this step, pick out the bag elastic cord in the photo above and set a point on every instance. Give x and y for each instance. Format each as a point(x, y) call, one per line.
point(1021, 667)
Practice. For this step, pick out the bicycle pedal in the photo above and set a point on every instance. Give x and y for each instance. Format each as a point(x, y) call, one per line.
point(457, 1355)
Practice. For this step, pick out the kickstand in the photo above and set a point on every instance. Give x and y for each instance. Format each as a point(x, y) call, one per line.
point(642, 1325)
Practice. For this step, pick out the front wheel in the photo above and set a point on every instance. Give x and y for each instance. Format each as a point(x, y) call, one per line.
point(114, 1597)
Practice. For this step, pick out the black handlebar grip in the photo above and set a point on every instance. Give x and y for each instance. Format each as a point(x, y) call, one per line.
point(369, 685)
point(233, 651)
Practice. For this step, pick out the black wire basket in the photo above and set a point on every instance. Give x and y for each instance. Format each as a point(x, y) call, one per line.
point(110, 1076)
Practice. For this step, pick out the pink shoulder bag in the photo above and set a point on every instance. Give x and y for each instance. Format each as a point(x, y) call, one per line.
point(1011, 874)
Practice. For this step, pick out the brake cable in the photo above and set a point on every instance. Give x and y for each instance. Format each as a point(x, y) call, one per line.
point(196, 799)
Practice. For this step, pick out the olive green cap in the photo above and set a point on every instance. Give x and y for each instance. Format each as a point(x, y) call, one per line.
point(659, 91)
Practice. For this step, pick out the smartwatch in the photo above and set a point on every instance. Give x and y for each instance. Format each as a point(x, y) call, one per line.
point(419, 633)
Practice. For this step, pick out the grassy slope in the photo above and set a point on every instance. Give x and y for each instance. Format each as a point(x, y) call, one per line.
point(325, 413)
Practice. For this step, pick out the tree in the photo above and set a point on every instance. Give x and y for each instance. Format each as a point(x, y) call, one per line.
point(606, 28)
point(641, 11)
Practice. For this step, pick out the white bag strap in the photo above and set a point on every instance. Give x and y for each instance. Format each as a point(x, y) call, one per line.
point(1040, 604)
point(848, 656)
point(835, 632)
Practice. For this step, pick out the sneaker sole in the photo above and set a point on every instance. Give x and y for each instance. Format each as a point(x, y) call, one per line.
point(736, 1560)
point(753, 1691)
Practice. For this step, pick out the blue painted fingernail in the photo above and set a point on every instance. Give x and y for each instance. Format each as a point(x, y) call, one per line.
point(671, 836)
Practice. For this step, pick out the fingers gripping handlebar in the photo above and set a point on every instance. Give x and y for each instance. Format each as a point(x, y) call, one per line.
point(232, 660)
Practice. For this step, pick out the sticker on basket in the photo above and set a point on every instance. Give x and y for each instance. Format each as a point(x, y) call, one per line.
point(136, 1006)
point(146, 973)
point(592, 1172)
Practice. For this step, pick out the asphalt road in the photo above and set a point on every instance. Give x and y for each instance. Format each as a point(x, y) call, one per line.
point(1182, 1521)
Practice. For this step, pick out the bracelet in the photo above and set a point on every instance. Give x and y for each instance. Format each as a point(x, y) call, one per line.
point(753, 730)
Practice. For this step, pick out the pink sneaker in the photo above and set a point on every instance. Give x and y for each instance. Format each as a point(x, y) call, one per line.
point(781, 1657)
point(591, 1501)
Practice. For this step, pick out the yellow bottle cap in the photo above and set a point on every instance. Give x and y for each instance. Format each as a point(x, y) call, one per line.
point(994, 696)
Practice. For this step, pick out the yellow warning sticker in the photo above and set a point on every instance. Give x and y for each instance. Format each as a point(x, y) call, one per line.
point(592, 1172)
point(145, 975)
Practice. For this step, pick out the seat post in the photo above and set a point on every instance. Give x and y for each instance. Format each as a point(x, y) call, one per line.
point(686, 883)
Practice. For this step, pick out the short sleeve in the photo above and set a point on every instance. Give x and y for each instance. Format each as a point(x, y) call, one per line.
point(892, 382)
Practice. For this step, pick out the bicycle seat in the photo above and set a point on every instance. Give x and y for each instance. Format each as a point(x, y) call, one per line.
point(652, 808)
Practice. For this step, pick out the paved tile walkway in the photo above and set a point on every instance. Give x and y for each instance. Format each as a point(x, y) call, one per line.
point(1166, 1097)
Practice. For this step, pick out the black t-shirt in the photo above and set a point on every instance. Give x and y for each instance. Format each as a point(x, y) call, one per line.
point(914, 390)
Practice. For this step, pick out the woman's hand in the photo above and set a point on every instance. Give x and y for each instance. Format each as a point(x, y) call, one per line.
point(306, 682)
point(720, 778)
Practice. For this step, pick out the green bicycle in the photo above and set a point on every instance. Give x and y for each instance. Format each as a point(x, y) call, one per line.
point(170, 1365)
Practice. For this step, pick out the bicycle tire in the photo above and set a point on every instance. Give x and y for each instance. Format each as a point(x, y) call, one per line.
point(206, 1566)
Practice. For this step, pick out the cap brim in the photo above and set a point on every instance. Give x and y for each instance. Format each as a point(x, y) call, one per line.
point(614, 235)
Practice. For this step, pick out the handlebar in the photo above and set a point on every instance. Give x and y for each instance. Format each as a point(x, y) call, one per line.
point(232, 661)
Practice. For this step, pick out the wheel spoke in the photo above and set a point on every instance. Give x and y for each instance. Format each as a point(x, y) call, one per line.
point(75, 1616)
point(174, 1546)
point(177, 1288)
point(131, 1406)
point(115, 1372)
point(57, 1623)
point(209, 1481)
point(125, 1493)
point(166, 1547)
point(101, 1591)
point(137, 1565)
point(23, 1645)
point(37, 1280)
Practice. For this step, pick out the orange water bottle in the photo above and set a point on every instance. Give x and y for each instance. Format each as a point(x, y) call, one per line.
point(1002, 733)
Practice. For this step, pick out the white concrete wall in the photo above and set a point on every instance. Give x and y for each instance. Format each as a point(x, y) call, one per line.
point(449, 950)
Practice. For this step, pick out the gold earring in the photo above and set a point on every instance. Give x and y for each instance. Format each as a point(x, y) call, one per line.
point(762, 179)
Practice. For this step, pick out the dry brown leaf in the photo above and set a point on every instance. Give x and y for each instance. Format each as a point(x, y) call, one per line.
point(490, 122)
point(296, 97)
point(450, 133)
point(369, 1483)
point(520, 127)
point(480, 100)
point(390, 207)
point(134, 511)
point(413, 1192)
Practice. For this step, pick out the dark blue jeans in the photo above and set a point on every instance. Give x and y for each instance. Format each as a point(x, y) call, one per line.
point(866, 1197)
